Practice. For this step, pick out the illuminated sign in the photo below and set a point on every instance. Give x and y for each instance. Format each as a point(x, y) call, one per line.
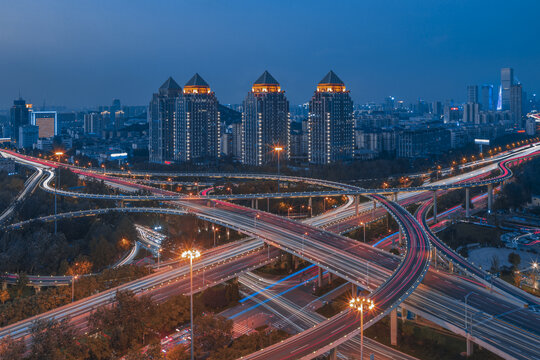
point(119, 155)
point(481, 141)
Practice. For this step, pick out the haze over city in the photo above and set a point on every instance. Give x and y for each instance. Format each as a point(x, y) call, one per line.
point(84, 54)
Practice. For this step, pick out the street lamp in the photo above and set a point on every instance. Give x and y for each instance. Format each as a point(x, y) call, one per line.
point(278, 149)
point(159, 257)
point(361, 304)
point(191, 254)
point(324, 203)
point(58, 155)
point(364, 226)
point(73, 278)
point(289, 212)
point(255, 221)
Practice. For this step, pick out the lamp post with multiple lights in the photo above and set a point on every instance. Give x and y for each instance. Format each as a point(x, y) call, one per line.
point(191, 254)
point(361, 304)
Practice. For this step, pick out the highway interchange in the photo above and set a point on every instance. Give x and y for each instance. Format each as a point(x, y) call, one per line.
point(352, 261)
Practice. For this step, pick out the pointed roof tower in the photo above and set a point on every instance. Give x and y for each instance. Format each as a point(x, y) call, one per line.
point(196, 85)
point(266, 83)
point(170, 87)
point(331, 83)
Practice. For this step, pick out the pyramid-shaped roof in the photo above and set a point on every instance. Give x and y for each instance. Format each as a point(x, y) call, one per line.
point(266, 79)
point(170, 84)
point(331, 78)
point(197, 80)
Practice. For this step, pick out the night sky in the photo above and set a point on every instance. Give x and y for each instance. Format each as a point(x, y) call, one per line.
point(86, 52)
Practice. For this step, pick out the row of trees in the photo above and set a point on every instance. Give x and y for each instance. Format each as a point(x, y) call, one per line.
point(133, 325)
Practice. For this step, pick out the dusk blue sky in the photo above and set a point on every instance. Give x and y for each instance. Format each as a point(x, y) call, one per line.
point(86, 52)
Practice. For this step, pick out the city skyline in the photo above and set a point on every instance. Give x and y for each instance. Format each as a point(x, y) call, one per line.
point(126, 62)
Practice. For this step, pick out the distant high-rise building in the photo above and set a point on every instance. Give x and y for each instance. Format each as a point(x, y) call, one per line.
point(330, 122)
point(163, 125)
point(93, 123)
point(516, 103)
point(451, 114)
point(198, 122)
point(487, 97)
point(265, 122)
point(507, 80)
point(389, 103)
point(472, 94)
point(470, 113)
point(437, 108)
point(19, 116)
point(236, 134)
point(47, 122)
point(28, 136)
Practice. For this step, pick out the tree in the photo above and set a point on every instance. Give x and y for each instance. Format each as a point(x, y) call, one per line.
point(54, 340)
point(11, 349)
point(494, 264)
point(212, 332)
point(4, 296)
point(81, 266)
point(179, 352)
point(514, 259)
point(127, 323)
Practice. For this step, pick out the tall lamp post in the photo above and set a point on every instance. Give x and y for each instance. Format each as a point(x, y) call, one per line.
point(278, 149)
point(364, 226)
point(73, 278)
point(361, 304)
point(58, 157)
point(191, 254)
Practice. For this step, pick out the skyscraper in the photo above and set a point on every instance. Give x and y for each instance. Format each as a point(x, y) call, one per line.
point(472, 94)
point(265, 122)
point(507, 80)
point(198, 122)
point(19, 116)
point(516, 103)
point(330, 122)
point(470, 113)
point(487, 97)
point(163, 125)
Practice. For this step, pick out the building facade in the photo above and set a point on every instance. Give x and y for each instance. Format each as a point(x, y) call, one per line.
point(330, 122)
point(198, 135)
point(47, 122)
point(507, 80)
point(265, 122)
point(19, 116)
point(163, 124)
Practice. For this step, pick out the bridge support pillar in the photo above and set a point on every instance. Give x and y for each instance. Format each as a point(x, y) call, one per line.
point(319, 278)
point(435, 206)
point(333, 354)
point(354, 290)
point(393, 327)
point(434, 256)
point(267, 204)
point(4, 285)
point(395, 197)
point(467, 202)
point(253, 203)
point(356, 203)
point(403, 314)
point(469, 347)
point(330, 277)
point(257, 204)
point(451, 266)
point(401, 241)
point(373, 210)
point(490, 198)
point(310, 207)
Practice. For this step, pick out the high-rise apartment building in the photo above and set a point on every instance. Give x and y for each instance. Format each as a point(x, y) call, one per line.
point(516, 103)
point(47, 122)
point(163, 125)
point(472, 94)
point(198, 133)
point(19, 116)
point(487, 98)
point(330, 122)
point(265, 122)
point(471, 113)
point(507, 80)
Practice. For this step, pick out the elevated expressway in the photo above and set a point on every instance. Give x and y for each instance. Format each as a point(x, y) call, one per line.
point(345, 252)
